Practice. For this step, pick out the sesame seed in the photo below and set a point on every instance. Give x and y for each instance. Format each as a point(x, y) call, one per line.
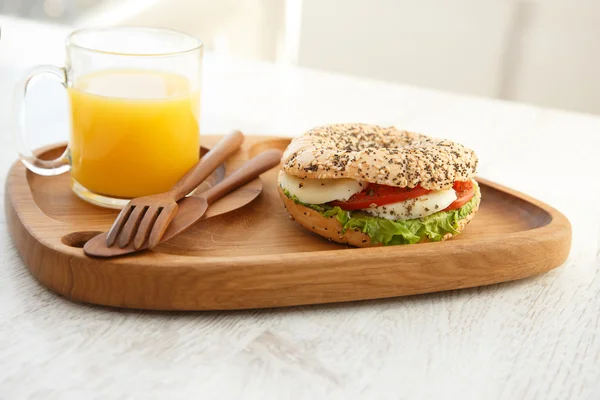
point(383, 155)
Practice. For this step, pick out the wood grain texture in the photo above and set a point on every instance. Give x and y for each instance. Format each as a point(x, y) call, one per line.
point(236, 187)
point(532, 339)
point(147, 218)
point(256, 257)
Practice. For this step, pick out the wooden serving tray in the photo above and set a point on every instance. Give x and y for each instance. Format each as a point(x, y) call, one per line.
point(257, 257)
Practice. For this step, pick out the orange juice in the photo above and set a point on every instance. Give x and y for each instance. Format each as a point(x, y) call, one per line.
point(134, 132)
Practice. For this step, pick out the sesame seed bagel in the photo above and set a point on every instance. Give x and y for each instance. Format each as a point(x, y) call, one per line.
point(331, 228)
point(382, 155)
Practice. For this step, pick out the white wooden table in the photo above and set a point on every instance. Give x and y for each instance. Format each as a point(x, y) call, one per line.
point(534, 339)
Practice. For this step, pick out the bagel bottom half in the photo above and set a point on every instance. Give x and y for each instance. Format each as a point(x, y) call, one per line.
point(331, 229)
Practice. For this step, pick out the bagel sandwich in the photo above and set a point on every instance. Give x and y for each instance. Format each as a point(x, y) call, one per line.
point(366, 185)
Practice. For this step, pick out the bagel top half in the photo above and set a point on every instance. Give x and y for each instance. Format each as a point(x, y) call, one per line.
point(382, 155)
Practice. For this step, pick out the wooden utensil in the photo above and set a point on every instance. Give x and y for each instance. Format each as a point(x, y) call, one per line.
point(146, 218)
point(191, 213)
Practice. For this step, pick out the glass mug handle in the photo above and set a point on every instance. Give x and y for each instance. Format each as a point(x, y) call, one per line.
point(30, 160)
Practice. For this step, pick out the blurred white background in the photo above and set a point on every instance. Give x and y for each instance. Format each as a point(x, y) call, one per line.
point(541, 52)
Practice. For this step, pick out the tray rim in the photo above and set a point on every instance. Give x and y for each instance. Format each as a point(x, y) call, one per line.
point(555, 235)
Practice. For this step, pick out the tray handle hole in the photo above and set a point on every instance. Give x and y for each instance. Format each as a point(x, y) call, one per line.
point(79, 239)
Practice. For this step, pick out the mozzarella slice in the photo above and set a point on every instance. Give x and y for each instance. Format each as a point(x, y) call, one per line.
point(320, 191)
point(418, 207)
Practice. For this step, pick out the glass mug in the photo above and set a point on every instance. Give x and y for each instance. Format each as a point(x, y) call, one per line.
point(134, 98)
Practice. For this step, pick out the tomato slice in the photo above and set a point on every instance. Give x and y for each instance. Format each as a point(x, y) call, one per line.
point(464, 192)
point(379, 195)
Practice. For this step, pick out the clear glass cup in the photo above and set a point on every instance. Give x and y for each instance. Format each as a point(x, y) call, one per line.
point(134, 98)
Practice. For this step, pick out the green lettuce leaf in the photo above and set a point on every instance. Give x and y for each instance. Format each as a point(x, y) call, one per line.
point(387, 232)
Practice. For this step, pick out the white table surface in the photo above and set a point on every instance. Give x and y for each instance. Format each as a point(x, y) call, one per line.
point(534, 339)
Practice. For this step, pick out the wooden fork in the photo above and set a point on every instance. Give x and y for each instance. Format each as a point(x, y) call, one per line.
point(147, 218)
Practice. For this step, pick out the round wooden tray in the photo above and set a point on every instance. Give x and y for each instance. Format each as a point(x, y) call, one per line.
point(256, 257)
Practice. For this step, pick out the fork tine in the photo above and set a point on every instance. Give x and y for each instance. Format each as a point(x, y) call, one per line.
point(131, 226)
point(162, 222)
point(145, 227)
point(117, 226)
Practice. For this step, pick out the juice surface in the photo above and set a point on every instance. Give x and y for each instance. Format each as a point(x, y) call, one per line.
point(134, 132)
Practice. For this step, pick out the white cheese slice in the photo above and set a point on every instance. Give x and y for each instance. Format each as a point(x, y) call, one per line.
point(320, 191)
point(418, 207)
